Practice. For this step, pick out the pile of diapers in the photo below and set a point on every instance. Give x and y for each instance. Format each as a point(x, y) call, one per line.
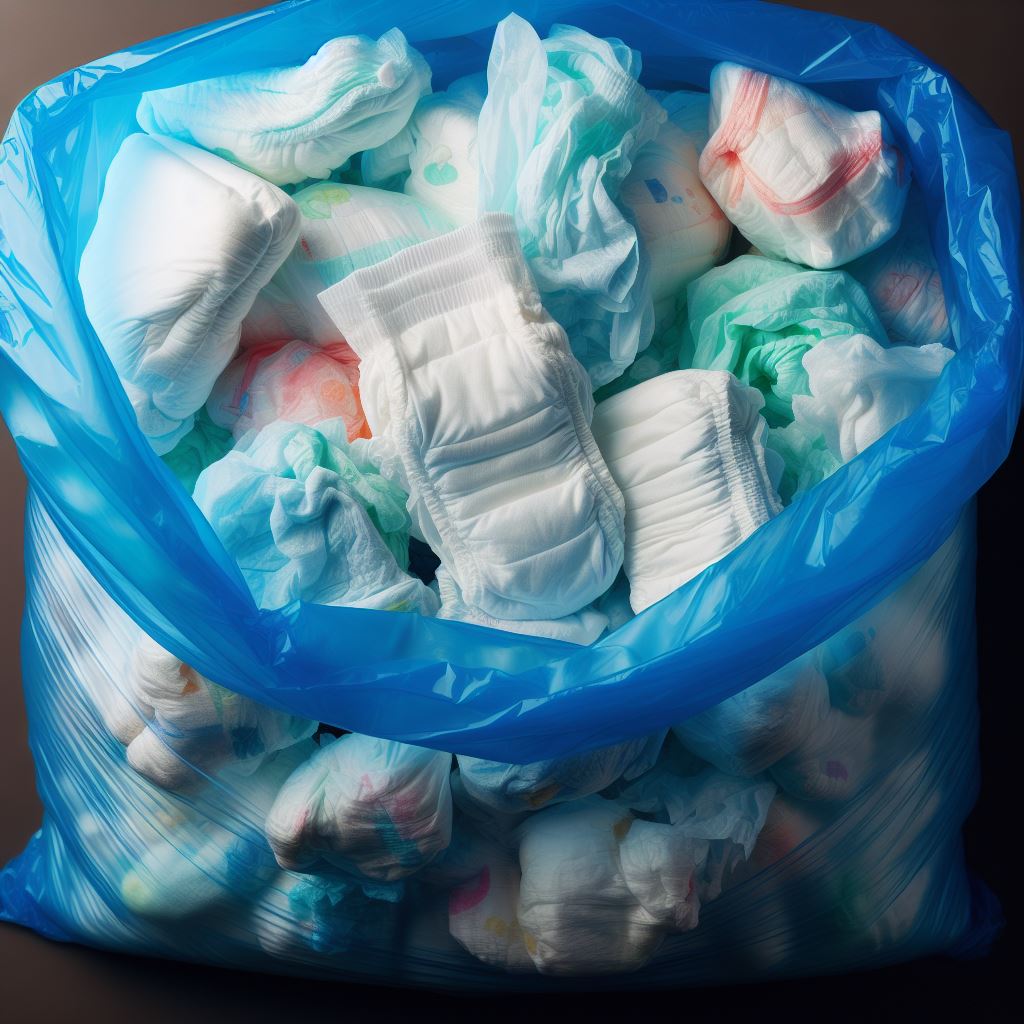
point(358, 319)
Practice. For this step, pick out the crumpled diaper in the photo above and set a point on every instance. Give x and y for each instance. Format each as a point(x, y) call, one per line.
point(582, 627)
point(903, 282)
point(680, 224)
point(203, 445)
point(183, 242)
point(601, 887)
point(308, 518)
point(434, 158)
point(757, 318)
point(292, 381)
point(687, 450)
point(804, 178)
point(760, 725)
point(860, 390)
point(515, 788)
point(289, 124)
point(343, 229)
point(472, 387)
point(191, 727)
point(563, 120)
point(375, 807)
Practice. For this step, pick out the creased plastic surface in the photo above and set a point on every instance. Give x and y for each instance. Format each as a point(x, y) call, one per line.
point(442, 683)
point(859, 862)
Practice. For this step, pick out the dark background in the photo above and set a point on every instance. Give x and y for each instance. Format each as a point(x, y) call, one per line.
point(982, 43)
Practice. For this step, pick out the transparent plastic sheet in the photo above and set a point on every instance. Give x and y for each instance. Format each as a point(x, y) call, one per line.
point(115, 545)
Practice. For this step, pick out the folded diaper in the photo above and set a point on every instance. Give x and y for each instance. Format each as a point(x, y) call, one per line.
point(183, 242)
point(680, 224)
point(859, 390)
point(514, 788)
point(297, 916)
point(343, 228)
point(582, 627)
point(902, 280)
point(601, 886)
point(758, 317)
point(289, 124)
point(203, 445)
point(472, 386)
point(292, 381)
point(575, 908)
point(308, 518)
point(687, 450)
point(375, 807)
point(563, 120)
point(434, 158)
point(191, 727)
point(803, 178)
point(758, 726)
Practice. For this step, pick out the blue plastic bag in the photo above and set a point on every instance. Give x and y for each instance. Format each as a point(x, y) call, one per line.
point(100, 496)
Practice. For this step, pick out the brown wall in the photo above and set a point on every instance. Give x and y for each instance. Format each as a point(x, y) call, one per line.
point(979, 41)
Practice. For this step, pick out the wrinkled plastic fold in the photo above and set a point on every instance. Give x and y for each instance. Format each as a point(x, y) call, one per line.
point(116, 546)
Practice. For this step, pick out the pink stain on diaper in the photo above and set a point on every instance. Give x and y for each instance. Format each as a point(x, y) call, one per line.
point(470, 895)
point(844, 170)
point(836, 770)
point(896, 289)
point(738, 129)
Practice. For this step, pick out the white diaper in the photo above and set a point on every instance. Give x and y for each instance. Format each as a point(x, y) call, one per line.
point(193, 726)
point(803, 178)
point(472, 385)
point(434, 157)
point(604, 881)
point(681, 225)
point(289, 124)
point(687, 449)
point(379, 808)
point(860, 390)
point(183, 242)
point(343, 229)
point(582, 627)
